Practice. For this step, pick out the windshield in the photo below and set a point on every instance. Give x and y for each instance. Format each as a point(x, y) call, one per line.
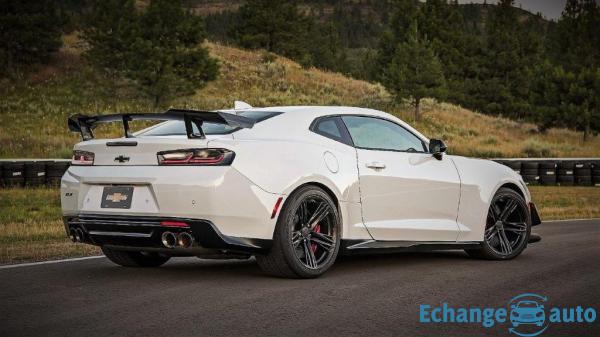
point(175, 128)
point(528, 305)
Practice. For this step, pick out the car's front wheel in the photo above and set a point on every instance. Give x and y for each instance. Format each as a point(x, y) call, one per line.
point(508, 227)
point(135, 259)
point(307, 236)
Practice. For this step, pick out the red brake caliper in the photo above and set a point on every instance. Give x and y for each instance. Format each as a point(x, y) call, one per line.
point(313, 246)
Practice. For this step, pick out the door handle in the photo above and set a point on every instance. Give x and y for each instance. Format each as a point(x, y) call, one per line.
point(376, 165)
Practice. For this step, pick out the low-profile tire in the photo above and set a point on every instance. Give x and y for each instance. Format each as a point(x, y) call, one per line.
point(135, 259)
point(307, 236)
point(508, 227)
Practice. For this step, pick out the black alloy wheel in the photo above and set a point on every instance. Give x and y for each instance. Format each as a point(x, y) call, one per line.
point(508, 227)
point(313, 231)
point(307, 236)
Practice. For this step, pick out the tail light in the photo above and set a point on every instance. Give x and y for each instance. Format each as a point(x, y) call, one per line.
point(206, 157)
point(82, 158)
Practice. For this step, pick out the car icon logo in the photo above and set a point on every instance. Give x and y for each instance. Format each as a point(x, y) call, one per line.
point(527, 315)
point(527, 312)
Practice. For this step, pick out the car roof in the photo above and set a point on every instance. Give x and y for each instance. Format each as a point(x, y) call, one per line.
point(318, 110)
point(304, 115)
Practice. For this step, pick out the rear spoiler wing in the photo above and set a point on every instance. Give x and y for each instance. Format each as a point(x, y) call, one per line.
point(86, 124)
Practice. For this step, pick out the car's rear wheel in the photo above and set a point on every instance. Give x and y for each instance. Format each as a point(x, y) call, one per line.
point(135, 259)
point(307, 236)
point(508, 227)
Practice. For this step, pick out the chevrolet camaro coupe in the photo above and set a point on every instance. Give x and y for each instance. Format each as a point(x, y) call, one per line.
point(293, 186)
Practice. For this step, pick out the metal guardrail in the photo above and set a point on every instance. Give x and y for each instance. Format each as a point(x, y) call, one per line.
point(543, 171)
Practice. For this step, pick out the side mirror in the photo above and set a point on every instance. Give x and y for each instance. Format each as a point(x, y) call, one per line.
point(437, 148)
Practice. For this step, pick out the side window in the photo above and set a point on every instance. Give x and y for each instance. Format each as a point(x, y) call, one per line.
point(380, 134)
point(331, 127)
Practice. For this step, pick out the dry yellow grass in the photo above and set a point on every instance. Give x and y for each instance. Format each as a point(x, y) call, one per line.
point(475, 134)
point(566, 202)
point(255, 78)
point(31, 228)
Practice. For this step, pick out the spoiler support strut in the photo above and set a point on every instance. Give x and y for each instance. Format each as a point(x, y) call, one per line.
point(126, 120)
point(85, 124)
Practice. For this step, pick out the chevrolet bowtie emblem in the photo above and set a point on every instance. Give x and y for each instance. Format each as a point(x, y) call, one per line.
point(116, 197)
point(122, 159)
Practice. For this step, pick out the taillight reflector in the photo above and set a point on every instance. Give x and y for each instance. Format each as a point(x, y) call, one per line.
point(276, 207)
point(174, 224)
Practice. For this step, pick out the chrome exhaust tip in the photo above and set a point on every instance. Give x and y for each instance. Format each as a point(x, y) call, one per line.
point(73, 234)
point(185, 240)
point(169, 239)
point(78, 235)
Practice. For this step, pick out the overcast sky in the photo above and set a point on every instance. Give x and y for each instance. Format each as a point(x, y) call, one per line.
point(550, 9)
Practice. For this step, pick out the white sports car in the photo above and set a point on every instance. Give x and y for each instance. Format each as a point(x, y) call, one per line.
point(292, 186)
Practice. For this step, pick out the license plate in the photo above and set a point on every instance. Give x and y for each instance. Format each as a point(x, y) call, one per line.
point(117, 197)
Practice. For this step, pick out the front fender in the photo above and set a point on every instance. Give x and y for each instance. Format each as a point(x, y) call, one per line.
point(480, 180)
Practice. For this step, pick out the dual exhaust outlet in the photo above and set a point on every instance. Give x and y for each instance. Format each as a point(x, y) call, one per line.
point(169, 239)
point(77, 235)
point(172, 240)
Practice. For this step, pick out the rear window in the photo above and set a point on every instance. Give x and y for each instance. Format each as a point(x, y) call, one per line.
point(331, 127)
point(175, 128)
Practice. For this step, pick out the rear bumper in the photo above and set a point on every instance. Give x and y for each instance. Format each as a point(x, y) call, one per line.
point(144, 234)
point(220, 195)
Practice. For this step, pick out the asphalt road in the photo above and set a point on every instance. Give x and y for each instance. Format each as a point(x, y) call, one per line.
point(365, 295)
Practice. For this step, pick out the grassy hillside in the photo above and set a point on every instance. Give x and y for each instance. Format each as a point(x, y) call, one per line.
point(33, 111)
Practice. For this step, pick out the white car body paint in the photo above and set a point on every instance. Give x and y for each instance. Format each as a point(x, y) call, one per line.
point(414, 198)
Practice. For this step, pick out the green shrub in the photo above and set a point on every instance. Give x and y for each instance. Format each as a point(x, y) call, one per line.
point(533, 148)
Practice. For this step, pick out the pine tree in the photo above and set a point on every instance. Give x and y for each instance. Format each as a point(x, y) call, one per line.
point(403, 15)
point(575, 47)
point(109, 32)
point(274, 25)
point(584, 97)
point(158, 49)
point(575, 42)
point(30, 32)
point(442, 24)
point(326, 49)
point(415, 72)
point(511, 50)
